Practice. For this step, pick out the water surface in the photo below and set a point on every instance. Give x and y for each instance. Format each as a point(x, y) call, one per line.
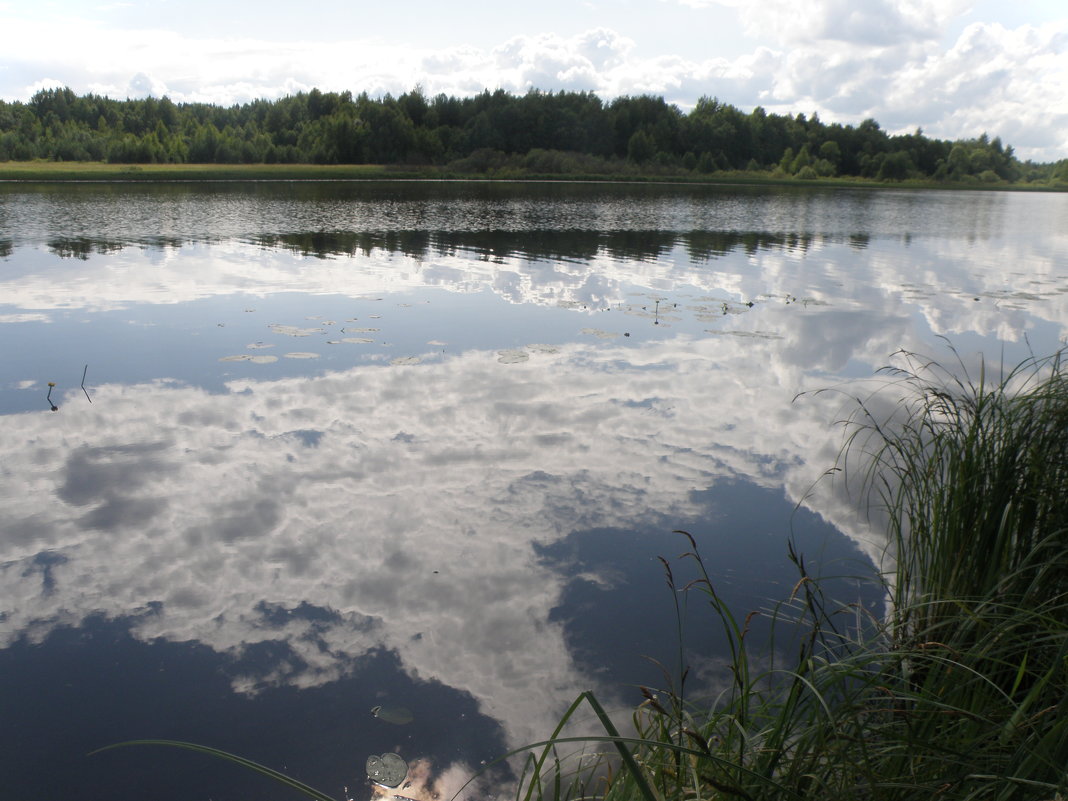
point(419, 446)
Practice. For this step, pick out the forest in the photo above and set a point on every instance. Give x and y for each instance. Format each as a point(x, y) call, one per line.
point(536, 133)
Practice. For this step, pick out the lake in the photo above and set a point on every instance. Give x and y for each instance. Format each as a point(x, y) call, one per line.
point(276, 455)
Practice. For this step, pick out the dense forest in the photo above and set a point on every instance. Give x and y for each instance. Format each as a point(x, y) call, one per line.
point(535, 133)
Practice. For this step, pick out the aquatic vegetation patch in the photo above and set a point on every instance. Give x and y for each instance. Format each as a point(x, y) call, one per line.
point(247, 357)
point(512, 356)
point(600, 334)
point(259, 345)
point(397, 715)
point(293, 331)
point(745, 334)
point(301, 355)
point(403, 360)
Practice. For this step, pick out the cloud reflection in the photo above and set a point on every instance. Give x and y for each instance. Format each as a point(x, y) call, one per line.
point(1007, 287)
point(411, 519)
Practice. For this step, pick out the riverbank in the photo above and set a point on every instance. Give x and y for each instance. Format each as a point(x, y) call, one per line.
point(68, 171)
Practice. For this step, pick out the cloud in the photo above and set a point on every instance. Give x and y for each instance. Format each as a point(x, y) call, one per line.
point(995, 80)
point(885, 59)
point(876, 23)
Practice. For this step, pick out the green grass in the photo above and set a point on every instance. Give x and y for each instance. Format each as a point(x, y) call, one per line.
point(101, 171)
point(961, 690)
point(39, 170)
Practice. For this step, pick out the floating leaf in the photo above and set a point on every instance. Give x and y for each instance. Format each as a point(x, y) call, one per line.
point(293, 331)
point(512, 356)
point(358, 330)
point(388, 769)
point(301, 355)
point(746, 334)
point(393, 714)
point(400, 360)
point(245, 357)
point(597, 332)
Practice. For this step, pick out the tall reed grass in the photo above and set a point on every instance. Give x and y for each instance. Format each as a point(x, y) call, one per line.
point(961, 690)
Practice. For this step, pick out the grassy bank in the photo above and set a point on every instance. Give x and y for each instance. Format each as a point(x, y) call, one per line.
point(36, 171)
point(961, 690)
point(100, 171)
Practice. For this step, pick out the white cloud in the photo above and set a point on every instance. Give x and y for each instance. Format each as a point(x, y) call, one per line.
point(888, 59)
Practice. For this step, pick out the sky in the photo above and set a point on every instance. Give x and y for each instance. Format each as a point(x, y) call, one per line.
point(954, 68)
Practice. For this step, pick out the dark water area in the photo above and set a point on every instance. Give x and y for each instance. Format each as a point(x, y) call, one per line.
point(420, 447)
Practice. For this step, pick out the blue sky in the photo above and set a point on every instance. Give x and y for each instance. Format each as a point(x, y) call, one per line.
point(952, 67)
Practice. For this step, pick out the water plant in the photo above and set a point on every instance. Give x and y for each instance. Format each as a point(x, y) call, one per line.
point(961, 690)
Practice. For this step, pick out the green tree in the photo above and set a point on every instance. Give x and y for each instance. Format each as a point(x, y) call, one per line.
point(640, 147)
point(801, 160)
point(831, 152)
point(895, 167)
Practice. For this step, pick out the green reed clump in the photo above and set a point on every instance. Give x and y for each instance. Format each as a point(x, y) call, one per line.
point(961, 690)
point(974, 477)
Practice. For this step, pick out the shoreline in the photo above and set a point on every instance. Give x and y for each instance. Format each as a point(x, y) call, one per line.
point(17, 172)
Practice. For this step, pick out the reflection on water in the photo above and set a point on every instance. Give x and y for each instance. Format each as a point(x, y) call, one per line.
point(485, 410)
point(574, 245)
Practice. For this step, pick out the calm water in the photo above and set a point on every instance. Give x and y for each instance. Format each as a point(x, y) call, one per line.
point(419, 446)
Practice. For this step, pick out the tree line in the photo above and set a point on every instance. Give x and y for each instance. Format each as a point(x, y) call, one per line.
point(537, 132)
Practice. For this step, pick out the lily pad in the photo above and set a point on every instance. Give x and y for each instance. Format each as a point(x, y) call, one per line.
point(244, 357)
point(293, 331)
point(398, 715)
point(348, 330)
point(301, 355)
point(597, 332)
point(387, 769)
point(400, 360)
point(512, 356)
point(746, 334)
